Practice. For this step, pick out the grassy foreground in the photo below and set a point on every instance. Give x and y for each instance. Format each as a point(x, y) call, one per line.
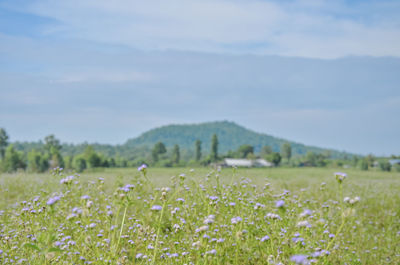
point(200, 216)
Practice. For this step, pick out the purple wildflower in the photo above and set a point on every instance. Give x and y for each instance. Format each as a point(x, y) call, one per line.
point(125, 189)
point(156, 208)
point(316, 254)
point(280, 203)
point(297, 239)
point(67, 180)
point(340, 176)
point(212, 252)
point(265, 238)
point(305, 213)
point(129, 186)
point(236, 220)
point(213, 198)
point(53, 200)
point(180, 200)
point(299, 259)
point(142, 167)
point(76, 210)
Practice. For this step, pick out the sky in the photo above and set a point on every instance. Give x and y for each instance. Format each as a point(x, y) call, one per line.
point(318, 72)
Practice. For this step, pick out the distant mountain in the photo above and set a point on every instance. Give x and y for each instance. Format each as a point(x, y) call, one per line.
point(230, 137)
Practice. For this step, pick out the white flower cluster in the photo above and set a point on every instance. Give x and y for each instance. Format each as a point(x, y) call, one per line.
point(202, 229)
point(351, 200)
point(273, 216)
point(209, 220)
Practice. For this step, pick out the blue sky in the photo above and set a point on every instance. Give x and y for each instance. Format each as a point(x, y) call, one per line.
point(323, 73)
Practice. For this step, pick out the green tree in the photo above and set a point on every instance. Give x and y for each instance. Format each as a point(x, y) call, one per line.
point(51, 144)
point(370, 159)
point(104, 161)
point(230, 154)
point(244, 150)
point(53, 147)
point(310, 159)
point(158, 149)
point(111, 162)
point(198, 150)
point(266, 150)
point(121, 162)
point(3, 142)
point(214, 148)
point(355, 160)
point(251, 156)
point(314, 160)
point(68, 162)
point(286, 151)
point(385, 165)
point(364, 164)
point(176, 154)
point(92, 158)
point(56, 159)
point(79, 163)
point(12, 160)
point(37, 162)
point(275, 158)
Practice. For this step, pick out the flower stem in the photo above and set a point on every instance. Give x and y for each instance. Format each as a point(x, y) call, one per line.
point(122, 227)
point(158, 234)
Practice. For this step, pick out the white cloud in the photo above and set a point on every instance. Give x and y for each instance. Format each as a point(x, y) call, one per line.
point(299, 99)
point(322, 29)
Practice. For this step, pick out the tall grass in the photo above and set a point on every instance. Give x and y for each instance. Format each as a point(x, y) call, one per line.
point(200, 216)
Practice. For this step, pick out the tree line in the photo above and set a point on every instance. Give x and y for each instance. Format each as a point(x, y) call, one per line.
point(49, 156)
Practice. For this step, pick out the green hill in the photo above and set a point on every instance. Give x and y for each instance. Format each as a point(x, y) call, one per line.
point(230, 137)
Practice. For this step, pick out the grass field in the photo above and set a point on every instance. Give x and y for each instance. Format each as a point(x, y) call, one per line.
point(243, 216)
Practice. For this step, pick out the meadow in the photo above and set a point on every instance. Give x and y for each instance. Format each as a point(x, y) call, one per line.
point(201, 216)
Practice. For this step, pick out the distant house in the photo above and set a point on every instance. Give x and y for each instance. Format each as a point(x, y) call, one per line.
point(394, 162)
point(262, 163)
point(234, 162)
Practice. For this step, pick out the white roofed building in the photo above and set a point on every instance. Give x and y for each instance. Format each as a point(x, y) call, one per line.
point(262, 163)
point(235, 162)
